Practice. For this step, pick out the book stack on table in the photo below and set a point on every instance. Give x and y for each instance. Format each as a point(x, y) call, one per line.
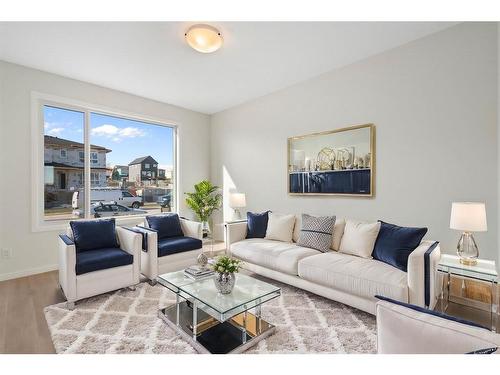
point(197, 272)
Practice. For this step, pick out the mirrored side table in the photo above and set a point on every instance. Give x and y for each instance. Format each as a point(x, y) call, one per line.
point(484, 271)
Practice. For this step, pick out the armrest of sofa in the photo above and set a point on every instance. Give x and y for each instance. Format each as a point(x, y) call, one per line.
point(233, 232)
point(191, 228)
point(149, 257)
point(131, 242)
point(403, 330)
point(67, 267)
point(423, 281)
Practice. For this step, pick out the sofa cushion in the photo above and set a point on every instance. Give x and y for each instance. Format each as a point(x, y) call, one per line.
point(174, 245)
point(257, 224)
point(395, 244)
point(280, 227)
point(167, 225)
point(93, 234)
point(275, 255)
point(316, 232)
point(101, 259)
point(359, 238)
point(354, 275)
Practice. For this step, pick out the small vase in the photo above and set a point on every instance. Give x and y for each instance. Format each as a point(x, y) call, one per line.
point(224, 282)
point(205, 228)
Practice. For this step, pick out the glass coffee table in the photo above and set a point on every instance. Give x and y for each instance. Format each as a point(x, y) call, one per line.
point(218, 323)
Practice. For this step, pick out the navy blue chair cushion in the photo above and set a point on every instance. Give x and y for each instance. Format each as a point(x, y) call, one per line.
point(174, 245)
point(94, 234)
point(431, 312)
point(167, 225)
point(101, 259)
point(257, 224)
point(394, 244)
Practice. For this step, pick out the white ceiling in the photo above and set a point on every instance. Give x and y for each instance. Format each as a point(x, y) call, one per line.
point(152, 60)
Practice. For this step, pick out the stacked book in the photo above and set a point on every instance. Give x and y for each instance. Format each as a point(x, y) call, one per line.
point(198, 272)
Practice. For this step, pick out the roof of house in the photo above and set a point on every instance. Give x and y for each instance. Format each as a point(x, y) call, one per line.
point(141, 159)
point(61, 142)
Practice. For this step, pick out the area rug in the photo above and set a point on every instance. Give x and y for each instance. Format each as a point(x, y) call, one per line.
point(126, 321)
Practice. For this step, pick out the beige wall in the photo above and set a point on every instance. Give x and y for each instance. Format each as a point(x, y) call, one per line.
point(434, 104)
point(37, 252)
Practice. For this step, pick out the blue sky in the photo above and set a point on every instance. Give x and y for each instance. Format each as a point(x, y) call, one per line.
point(127, 139)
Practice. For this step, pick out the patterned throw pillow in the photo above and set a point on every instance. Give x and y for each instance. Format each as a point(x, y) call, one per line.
point(316, 232)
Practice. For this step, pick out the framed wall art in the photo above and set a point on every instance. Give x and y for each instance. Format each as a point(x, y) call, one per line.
point(336, 162)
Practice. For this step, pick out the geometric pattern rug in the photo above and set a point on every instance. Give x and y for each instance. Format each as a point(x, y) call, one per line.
point(126, 321)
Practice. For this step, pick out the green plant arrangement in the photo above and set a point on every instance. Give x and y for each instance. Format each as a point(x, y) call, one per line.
point(205, 200)
point(225, 264)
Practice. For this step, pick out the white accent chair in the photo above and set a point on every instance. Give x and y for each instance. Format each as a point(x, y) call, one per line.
point(405, 330)
point(118, 268)
point(154, 264)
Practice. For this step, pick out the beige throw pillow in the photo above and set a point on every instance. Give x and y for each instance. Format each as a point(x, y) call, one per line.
point(296, 228)
point(338, 232)
point(359, 238)
point(280, 227)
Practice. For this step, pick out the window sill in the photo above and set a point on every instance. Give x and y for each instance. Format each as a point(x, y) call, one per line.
point(61, 225)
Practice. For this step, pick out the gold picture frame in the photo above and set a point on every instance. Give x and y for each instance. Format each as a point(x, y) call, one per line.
point(323, 164)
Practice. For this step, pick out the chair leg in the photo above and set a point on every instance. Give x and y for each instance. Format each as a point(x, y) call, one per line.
point(70, 305)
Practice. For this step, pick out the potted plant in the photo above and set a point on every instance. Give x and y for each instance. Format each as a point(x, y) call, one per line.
point(204, 201)
point(225, 268)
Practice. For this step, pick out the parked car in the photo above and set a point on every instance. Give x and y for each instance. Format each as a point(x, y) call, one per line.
point(165, 200)
point(123, 197)
point(110, 209)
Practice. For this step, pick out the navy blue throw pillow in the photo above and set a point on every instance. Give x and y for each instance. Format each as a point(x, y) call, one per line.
point(167, 225)
point(394, 244)
point(257, 224)
point(94, 234)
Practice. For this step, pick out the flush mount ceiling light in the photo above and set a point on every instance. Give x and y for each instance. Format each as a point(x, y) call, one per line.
point(204, 38)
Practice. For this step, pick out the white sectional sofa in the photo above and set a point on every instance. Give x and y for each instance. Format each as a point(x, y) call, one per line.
point(338, 276)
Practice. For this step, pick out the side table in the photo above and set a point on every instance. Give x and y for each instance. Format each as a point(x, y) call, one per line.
point(484, 270)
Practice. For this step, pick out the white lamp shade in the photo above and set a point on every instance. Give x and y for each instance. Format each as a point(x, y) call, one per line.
point(237, 200)
point(468, 216)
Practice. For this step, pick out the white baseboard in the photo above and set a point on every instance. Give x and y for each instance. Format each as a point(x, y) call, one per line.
point(28, 272)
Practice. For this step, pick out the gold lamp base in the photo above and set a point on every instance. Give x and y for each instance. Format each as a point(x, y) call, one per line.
point(468, 262)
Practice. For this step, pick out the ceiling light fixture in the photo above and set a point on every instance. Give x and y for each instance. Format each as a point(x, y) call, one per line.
point(204, 38)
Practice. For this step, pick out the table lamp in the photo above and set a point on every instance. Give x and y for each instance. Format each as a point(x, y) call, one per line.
point(468, 217)
point(237, 201)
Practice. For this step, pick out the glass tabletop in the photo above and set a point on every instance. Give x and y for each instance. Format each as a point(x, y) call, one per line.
point(248, 293)
point(174, 280)
point(483, 270)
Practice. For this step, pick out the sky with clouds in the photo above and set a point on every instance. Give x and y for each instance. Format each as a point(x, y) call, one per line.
point(128, 139)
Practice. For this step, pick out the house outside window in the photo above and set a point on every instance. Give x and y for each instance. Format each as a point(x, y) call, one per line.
point(67, 161)
point(94, 178)
point(146, 166)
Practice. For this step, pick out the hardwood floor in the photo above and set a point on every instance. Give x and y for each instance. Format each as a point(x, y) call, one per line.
point(23, 328)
